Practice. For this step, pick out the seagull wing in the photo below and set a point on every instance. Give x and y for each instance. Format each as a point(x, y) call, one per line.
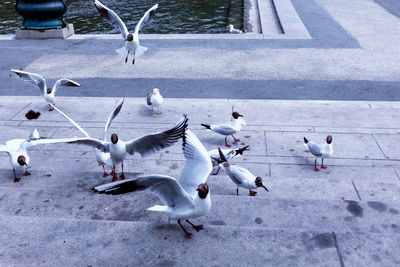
point(148, 98)
point(198, 164)
point(71, 121)
point(225, 128)
point(314, 148)
point(147, 17)
point(112, 18)
point(113, 114)
point(151, 143)
point(32, 78)
point(104, 146)
point(165, 187)
point(63, 82)
point(4, 148)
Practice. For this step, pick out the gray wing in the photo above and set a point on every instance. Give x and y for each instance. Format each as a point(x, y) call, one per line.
point(104, 146)
point(151, 143)
point(63, 82)
point(225, 128)
point(197, 166)
point(112, 18)
point(113, 114)
point(148, 98)
point(71, 121)
point(314, 148)
point(165, 187)
point(32, 78)
point(147, 17)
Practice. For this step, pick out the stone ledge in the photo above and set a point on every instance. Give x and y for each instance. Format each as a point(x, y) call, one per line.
point(45, 34)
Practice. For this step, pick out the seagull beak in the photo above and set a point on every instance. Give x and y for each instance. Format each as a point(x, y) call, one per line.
point(265, 188)
point(126, 40)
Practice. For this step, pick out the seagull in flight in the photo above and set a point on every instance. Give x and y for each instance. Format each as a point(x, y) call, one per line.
point(47, 93)
point(320, 150)
point(131, 40)
point(185, 198)
point(103, 158)
point(145, 145)
point(241, 176)
point(228, 128)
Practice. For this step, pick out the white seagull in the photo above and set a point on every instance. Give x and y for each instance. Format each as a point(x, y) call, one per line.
point(241, 176)
point(228, 128)
point(145, 145)
point(47, 93)
point(231, 29)
point(320, 150)
point(185, 198)
point(131, 40)
point(229, 154)
point(154, 100)
point(17, 151)
point(103, 158)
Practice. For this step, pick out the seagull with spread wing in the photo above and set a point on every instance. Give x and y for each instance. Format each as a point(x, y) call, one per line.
point(185, 198)
point(131, 40)
point(103, 158)
point(47, 93)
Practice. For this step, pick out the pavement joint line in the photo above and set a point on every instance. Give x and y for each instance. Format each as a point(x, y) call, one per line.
point(337, 249)
point(16, 114)
point(355, 188)
point(269, 170)
point(383, 153)
point(397, 174)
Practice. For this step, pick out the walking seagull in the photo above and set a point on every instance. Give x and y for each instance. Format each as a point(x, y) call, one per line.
point(228, 128)
point(185, 198)
point(17, 151)
point(154, 100)
point(131, 40)
point(47, 93)
point(241, 176)
point(145, 145)
point(320, 150)
point(103, 158)
point(229, 154)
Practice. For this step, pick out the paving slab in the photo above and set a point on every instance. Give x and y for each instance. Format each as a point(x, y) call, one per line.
point(389, 144)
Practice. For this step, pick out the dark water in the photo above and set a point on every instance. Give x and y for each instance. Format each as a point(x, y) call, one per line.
point(172, 16)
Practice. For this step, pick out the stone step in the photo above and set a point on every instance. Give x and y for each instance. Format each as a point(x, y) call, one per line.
point(79, 202)
point(71, 242)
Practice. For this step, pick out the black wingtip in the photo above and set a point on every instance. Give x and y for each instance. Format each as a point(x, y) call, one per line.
point(207, 126)
point(221, 155)
point(305, 140)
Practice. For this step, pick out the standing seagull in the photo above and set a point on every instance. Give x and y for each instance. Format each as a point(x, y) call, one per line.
point(241, 176)
point(185, 198)
point(228, 128)
point(155, 99)
point(320, 150)
point(103, 158)
point(47, 93)
point(131, 40)
point(145, 145)
point(17, 151)
point(229, 154)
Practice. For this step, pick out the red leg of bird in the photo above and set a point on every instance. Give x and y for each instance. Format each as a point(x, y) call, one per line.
point(126, 59)
point(51, 108)
point(196, 227)
point(188, 234)
point(114, 174)
point(217, 171)
point(315, 166)
point(15, 177)
point(226, 143)
point(236, 140)
point(252, 193)
point(322, 164)
point(133, 60)
point(122, 176)
point(237, 191)
point(27, 173)
point(105, 174)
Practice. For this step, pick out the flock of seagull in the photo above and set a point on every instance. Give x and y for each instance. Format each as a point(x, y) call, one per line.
point(184, 198)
